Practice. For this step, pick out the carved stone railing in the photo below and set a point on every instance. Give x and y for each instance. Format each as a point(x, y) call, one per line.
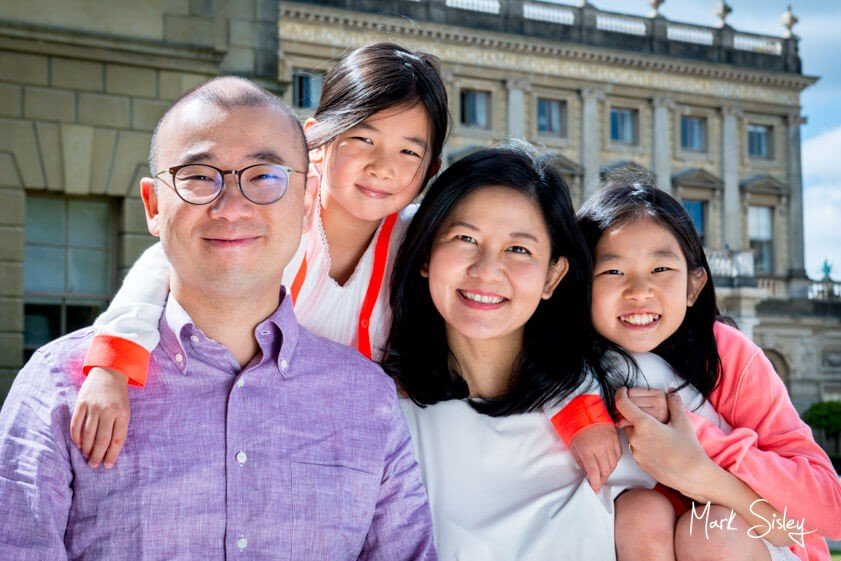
point(588, 25)
point(825, 290)
point(730, 264)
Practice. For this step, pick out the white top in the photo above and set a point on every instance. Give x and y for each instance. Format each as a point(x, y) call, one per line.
point(332, 310)
point(322, 306)
point(506, 488)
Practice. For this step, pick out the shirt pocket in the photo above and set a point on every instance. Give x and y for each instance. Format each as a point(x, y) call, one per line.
point(332, 509)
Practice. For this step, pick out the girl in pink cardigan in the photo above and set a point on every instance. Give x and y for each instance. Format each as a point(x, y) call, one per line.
point(652, 292)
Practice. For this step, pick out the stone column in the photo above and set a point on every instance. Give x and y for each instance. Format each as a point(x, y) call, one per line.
point(732, 224)
point(591, 146)
point(796, 259)
point(661, 153)
point(517, 106)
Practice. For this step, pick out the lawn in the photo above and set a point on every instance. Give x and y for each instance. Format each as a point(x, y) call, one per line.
point(836, 555)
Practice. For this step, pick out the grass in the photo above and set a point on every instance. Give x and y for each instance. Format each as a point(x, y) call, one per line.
point(836, 555)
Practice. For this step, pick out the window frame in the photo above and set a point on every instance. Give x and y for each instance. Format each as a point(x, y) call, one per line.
point(704, 128)
point(300, 73)
point(563, 112)
point(66, 299)
point(464, 96)
point(769, 129)
point(634, 113)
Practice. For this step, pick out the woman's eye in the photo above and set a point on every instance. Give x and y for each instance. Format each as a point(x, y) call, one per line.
point(465, 238)
point(364, 139)
point(661, 269)
point(610, 272)
point(519, 249)
point(411, 153)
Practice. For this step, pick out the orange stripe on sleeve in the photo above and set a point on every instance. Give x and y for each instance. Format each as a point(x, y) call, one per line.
point(580, 413)
point(122, 355)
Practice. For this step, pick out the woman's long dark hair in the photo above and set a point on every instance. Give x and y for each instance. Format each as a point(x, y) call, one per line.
point(691, 350)
point(558, 342)
point(374, 78)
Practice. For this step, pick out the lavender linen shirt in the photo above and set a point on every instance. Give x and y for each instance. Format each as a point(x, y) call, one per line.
point(303, 455)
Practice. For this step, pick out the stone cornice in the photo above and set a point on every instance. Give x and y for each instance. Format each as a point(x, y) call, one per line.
point(369, 22)
point(21, 37)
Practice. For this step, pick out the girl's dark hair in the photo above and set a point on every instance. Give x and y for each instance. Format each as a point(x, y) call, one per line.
point(558, 341)
point(376, 77)
point(691, 350)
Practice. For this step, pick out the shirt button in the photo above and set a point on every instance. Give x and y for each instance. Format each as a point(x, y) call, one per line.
point(240, 383)
point(241, 457)
point(194, 338)
point(179, 358)
point(265, 332)
point(364, 324)
point(242, 543)
point(284, 366)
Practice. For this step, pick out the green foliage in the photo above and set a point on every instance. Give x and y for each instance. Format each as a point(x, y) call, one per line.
point(825, 416)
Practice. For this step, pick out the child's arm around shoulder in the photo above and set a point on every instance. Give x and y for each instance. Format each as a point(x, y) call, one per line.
point(770, 448)
point(127, 332)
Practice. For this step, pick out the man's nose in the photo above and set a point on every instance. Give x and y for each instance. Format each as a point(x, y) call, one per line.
point(231, 204)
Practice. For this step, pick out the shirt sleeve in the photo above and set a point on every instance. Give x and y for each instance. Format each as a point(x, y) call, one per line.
point(581, 409)
point(127, 332)
point(771, 448)
point(35, 472)
point(401, 528)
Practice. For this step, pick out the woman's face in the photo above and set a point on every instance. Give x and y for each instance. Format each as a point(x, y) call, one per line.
point(489, 265)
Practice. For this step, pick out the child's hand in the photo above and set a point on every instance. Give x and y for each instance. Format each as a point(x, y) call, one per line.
point(670, 453)
point(100, 419)
point(596, 450)
point(652, 402)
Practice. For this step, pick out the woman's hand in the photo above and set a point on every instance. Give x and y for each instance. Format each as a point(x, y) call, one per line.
point(670, 453)
point(596, 450)
point(100, 419)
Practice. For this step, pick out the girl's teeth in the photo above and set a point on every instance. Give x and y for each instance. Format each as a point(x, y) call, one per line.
point(640, 319)
point(482, 299)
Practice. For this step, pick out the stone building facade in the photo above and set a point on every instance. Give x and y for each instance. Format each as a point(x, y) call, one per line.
point(713, 112)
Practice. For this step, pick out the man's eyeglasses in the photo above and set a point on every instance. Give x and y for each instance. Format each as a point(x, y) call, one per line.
point(201, 184)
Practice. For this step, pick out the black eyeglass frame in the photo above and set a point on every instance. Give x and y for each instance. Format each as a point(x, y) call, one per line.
point(236, 172)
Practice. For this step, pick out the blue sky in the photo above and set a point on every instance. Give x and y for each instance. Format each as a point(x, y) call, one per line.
point(819, 30)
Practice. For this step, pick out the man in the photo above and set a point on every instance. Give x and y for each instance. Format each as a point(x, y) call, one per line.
point(253, 438)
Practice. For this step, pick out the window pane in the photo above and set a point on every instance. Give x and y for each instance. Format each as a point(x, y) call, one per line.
point(762, 257)
point(88, 271)
point(693, 132)
point(759, 141)
point(79, 316)
point(551, 114)
point(622, 125)
point(760, 225)
point(696, 211)
point(43, 269)
point(45, 220)
point(475, 108)
point(89, 223)
point(41, 324)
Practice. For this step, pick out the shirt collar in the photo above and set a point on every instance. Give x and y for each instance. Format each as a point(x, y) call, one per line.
point(277, 335)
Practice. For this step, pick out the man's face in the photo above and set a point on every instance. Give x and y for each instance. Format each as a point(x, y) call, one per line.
point(230, 247)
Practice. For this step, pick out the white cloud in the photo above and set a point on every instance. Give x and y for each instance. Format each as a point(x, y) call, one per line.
point(822, 202)
point(820, 156)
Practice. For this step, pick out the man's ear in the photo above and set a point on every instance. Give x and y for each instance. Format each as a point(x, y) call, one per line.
point(696, 282)
point(150, 203)
point(557, 271)
point(316, 154)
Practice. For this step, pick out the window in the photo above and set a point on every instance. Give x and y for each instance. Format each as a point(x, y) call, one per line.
point(760, 233)
point(306, 88)
point(67, 266)
point(551, 117)
point(697, 211)
point(759, 141)
point(623, 125)
point(693, 134)
point(475, 108)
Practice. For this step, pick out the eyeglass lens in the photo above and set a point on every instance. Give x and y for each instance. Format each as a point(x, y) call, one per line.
point(261, 184)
